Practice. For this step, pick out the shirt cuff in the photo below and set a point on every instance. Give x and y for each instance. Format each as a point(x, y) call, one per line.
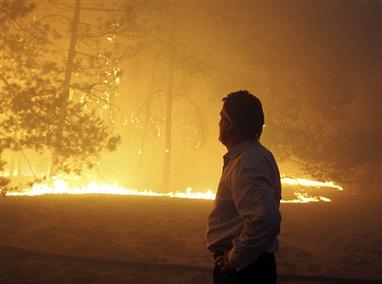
point(231, 259)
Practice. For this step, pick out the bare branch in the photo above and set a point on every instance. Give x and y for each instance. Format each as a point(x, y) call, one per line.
point(147, 101)
point(118, 108)
point(99, 34)
point(102, 9)
point(22, 152)
point(83, 41)
point(89, 55)
point(87, 88)
point(56, 3)
point(53, 16)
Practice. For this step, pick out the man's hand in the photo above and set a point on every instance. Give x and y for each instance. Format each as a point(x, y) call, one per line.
point(223, 263)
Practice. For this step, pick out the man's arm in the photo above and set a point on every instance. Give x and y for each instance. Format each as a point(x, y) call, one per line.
point(255, 200)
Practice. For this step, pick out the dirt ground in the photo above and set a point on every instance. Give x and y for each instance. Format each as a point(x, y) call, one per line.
point(124, 239)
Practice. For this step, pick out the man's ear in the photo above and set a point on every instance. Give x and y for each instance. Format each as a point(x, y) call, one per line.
point(231, 129)
point(229, 126)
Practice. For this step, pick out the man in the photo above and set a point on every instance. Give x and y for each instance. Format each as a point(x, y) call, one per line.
point(245, 220)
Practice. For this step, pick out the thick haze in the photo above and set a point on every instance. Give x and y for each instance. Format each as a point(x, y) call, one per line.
point(316, 66)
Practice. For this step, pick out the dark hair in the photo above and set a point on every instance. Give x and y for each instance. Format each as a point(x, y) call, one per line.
point(246, 112)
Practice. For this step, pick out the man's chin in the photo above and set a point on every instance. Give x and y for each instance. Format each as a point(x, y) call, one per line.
point(222, 140)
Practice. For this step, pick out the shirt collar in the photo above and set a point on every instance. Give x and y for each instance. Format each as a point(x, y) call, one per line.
point(236, 150)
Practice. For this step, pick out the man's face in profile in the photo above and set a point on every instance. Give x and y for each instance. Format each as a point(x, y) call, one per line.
point(225, 127)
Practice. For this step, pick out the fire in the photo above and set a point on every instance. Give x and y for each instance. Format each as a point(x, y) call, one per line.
point(305, 198)
point(309, 183)
point(60, 186)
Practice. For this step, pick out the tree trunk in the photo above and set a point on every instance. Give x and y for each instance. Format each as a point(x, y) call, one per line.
point(66, 87)
point(168, 136)
point(168, 118)
point(147, 118)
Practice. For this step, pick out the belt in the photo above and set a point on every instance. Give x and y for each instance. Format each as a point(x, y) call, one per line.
point(216, 254)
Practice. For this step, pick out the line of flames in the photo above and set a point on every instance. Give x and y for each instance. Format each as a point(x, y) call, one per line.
point(59, 186)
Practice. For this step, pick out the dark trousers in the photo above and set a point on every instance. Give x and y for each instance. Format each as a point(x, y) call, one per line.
point(262, 271)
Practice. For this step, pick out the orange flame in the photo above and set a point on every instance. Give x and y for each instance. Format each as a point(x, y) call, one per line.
point(60, 186)
point(309, 183)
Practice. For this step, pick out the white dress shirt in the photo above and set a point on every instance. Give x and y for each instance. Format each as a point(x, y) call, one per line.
point(245, 219)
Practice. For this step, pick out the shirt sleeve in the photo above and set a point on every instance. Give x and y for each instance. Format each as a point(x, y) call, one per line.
point(256, 202)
